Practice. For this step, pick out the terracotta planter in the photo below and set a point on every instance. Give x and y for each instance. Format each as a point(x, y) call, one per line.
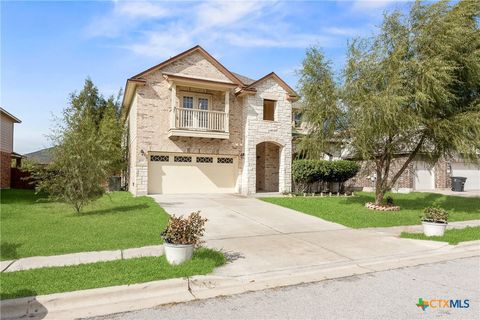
point(178, 253)
point(434, 229)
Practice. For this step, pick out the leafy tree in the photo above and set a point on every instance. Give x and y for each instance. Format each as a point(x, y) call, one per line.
point(87, 149)
point(412, 89)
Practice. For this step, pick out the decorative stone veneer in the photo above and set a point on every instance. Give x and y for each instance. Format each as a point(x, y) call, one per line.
point(258, 130)
point(268, 165)
point(6, 160)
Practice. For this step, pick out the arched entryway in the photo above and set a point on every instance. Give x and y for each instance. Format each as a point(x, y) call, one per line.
point(268, 167)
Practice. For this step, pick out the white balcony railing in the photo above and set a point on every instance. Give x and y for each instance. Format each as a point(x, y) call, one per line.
point(200, 120)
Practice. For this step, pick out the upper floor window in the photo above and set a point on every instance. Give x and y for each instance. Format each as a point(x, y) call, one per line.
point(195, 101)
point(203, 103)
point(268, 110)
point(297, 119)
point(187, 102)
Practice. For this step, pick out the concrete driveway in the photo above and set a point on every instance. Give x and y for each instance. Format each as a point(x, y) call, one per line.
point(260, 237)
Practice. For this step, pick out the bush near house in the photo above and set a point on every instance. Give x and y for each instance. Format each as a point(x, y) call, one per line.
point(307, 172)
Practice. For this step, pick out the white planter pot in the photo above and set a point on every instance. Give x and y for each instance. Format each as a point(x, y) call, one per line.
point(178, 253)
point(431, 229)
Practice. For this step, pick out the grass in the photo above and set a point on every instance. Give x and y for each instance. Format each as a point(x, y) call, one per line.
point(31, 226)
point(103, 274)
point(351, 211)
point(452, 236)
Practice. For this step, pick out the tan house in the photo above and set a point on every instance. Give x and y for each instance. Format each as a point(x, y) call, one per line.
point(196, 127)
point(6, 145)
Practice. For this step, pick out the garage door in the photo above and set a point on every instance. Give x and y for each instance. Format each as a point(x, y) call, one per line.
point(424, 176)
point(470, 171)
point(170, 173)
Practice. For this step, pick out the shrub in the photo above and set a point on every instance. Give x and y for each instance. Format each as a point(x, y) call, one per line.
point(187, 230)
point(389, 201)
point(435, 214)
point(308, 171)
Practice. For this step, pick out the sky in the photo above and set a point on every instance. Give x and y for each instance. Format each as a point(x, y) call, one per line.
point(49, 48)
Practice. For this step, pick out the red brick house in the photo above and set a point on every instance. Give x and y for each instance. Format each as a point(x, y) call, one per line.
point(6, 145)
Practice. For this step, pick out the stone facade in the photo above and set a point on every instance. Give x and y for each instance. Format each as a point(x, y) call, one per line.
point(149, 121)
point(258, 130)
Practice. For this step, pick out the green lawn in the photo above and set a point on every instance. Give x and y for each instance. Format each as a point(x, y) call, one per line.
point(452, 236)
point(351, 211)
point(34, 227)
point(104, 274)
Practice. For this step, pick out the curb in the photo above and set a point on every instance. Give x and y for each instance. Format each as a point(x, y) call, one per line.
point(103, 301)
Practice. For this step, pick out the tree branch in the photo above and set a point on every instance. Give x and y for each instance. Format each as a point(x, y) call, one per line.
point(407, 162)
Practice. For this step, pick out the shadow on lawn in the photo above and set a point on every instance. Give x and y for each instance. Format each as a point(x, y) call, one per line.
point(119, 209)
point(8, 250)
point(419, 201)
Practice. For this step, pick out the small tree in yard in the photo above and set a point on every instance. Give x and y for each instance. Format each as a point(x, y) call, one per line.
point(412, 89)
point(86, 150)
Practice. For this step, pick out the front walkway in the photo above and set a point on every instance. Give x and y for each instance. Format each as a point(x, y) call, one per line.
point(260, 237)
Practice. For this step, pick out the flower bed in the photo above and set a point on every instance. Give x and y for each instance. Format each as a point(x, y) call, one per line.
point(381, 207)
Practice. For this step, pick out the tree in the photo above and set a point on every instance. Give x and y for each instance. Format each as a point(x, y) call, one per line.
point(412, 89)
point(87, 149)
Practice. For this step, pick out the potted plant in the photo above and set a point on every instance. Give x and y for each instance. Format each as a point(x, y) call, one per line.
point(181, 236)
point(434, 221)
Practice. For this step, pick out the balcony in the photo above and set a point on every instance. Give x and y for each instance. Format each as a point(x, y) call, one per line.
point(187, 122)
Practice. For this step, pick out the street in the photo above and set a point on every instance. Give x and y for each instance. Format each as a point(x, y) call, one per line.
point(382, 295)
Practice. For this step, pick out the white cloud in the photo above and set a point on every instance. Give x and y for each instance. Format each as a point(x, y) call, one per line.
point(373, 6)
point(124, 16)
point(162, 29)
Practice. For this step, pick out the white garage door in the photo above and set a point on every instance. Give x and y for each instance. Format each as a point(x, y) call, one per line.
point(469, 171)
point(424, 176)
point(170, 173)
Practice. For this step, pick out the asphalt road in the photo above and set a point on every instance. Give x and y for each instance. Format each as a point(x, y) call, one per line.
point(382, 295)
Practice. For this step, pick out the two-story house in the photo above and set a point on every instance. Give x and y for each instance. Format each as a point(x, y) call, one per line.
point(196, 127)
point(6, 146)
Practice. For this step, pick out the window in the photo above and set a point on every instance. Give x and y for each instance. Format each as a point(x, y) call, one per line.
point(182, 159)
point(204, 159)
point(187, 102)
point(269, 110)
point(297, 119)
point(224, 160)
point(160, 158)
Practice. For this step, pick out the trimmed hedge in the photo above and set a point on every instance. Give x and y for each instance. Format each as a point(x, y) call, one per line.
point(309, 171)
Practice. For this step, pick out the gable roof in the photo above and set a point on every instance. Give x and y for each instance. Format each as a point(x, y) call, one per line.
point(279, 80)
point(11, 116)
point(200, 50)
point(245, 84)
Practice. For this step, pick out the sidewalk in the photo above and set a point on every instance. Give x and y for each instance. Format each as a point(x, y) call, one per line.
point(395, 231)
point(78, 258)
point(102, 301)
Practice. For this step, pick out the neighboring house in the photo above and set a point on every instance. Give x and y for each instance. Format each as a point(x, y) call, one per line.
point(419, 175)
point(6, 147)
point(42, 156)
point(196, 127)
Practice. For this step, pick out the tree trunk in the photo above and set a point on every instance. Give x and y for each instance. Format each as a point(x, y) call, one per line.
point(379, 194)
point(379, 191)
